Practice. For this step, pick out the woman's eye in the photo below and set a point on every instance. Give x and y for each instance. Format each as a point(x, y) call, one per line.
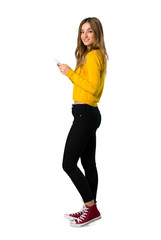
point(88, 32)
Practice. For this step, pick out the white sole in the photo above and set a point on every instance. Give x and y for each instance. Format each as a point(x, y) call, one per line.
point(83, 224)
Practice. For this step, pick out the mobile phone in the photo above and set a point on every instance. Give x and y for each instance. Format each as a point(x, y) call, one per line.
point(56, 60)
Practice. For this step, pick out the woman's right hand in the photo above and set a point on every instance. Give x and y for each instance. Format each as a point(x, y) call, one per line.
point(64, 68)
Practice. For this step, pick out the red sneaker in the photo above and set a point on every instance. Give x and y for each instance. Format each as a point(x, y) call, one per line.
point(76, 215)
point(89, 215)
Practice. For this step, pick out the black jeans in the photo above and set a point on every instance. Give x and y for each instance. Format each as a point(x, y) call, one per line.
point(81, 143)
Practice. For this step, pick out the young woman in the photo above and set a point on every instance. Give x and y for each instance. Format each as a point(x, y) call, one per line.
point(88, 80)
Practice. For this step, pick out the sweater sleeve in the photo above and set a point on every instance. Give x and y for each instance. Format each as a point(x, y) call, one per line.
point(92, 82)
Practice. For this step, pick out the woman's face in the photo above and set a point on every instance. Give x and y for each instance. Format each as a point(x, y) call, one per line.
point(87, 34)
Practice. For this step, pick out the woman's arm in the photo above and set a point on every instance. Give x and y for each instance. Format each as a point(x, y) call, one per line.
point(92, 83)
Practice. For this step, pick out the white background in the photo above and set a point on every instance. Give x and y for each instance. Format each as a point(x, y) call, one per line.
point(35, 117)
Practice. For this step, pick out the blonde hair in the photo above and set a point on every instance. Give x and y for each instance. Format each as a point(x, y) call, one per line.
point(82, 50)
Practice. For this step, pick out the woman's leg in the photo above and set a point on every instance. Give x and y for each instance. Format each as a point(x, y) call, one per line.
point(89, 164)
point(75, 143)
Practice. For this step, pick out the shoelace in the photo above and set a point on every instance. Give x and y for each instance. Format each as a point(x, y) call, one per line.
point(81, 211)
point(84, 215)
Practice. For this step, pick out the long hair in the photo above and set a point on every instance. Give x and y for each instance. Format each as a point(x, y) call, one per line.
point(82, 50)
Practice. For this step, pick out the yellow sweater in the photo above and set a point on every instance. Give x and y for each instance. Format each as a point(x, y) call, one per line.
point(88, 79)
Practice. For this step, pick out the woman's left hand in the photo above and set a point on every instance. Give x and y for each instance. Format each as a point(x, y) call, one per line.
point(64, 68)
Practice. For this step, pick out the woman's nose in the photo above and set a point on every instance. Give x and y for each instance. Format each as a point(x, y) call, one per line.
point(85, 34)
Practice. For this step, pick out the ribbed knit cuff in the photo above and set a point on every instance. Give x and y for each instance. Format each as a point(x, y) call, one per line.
point(69, 73)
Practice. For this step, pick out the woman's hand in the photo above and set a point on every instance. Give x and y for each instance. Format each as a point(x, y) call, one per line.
point(64, 68)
